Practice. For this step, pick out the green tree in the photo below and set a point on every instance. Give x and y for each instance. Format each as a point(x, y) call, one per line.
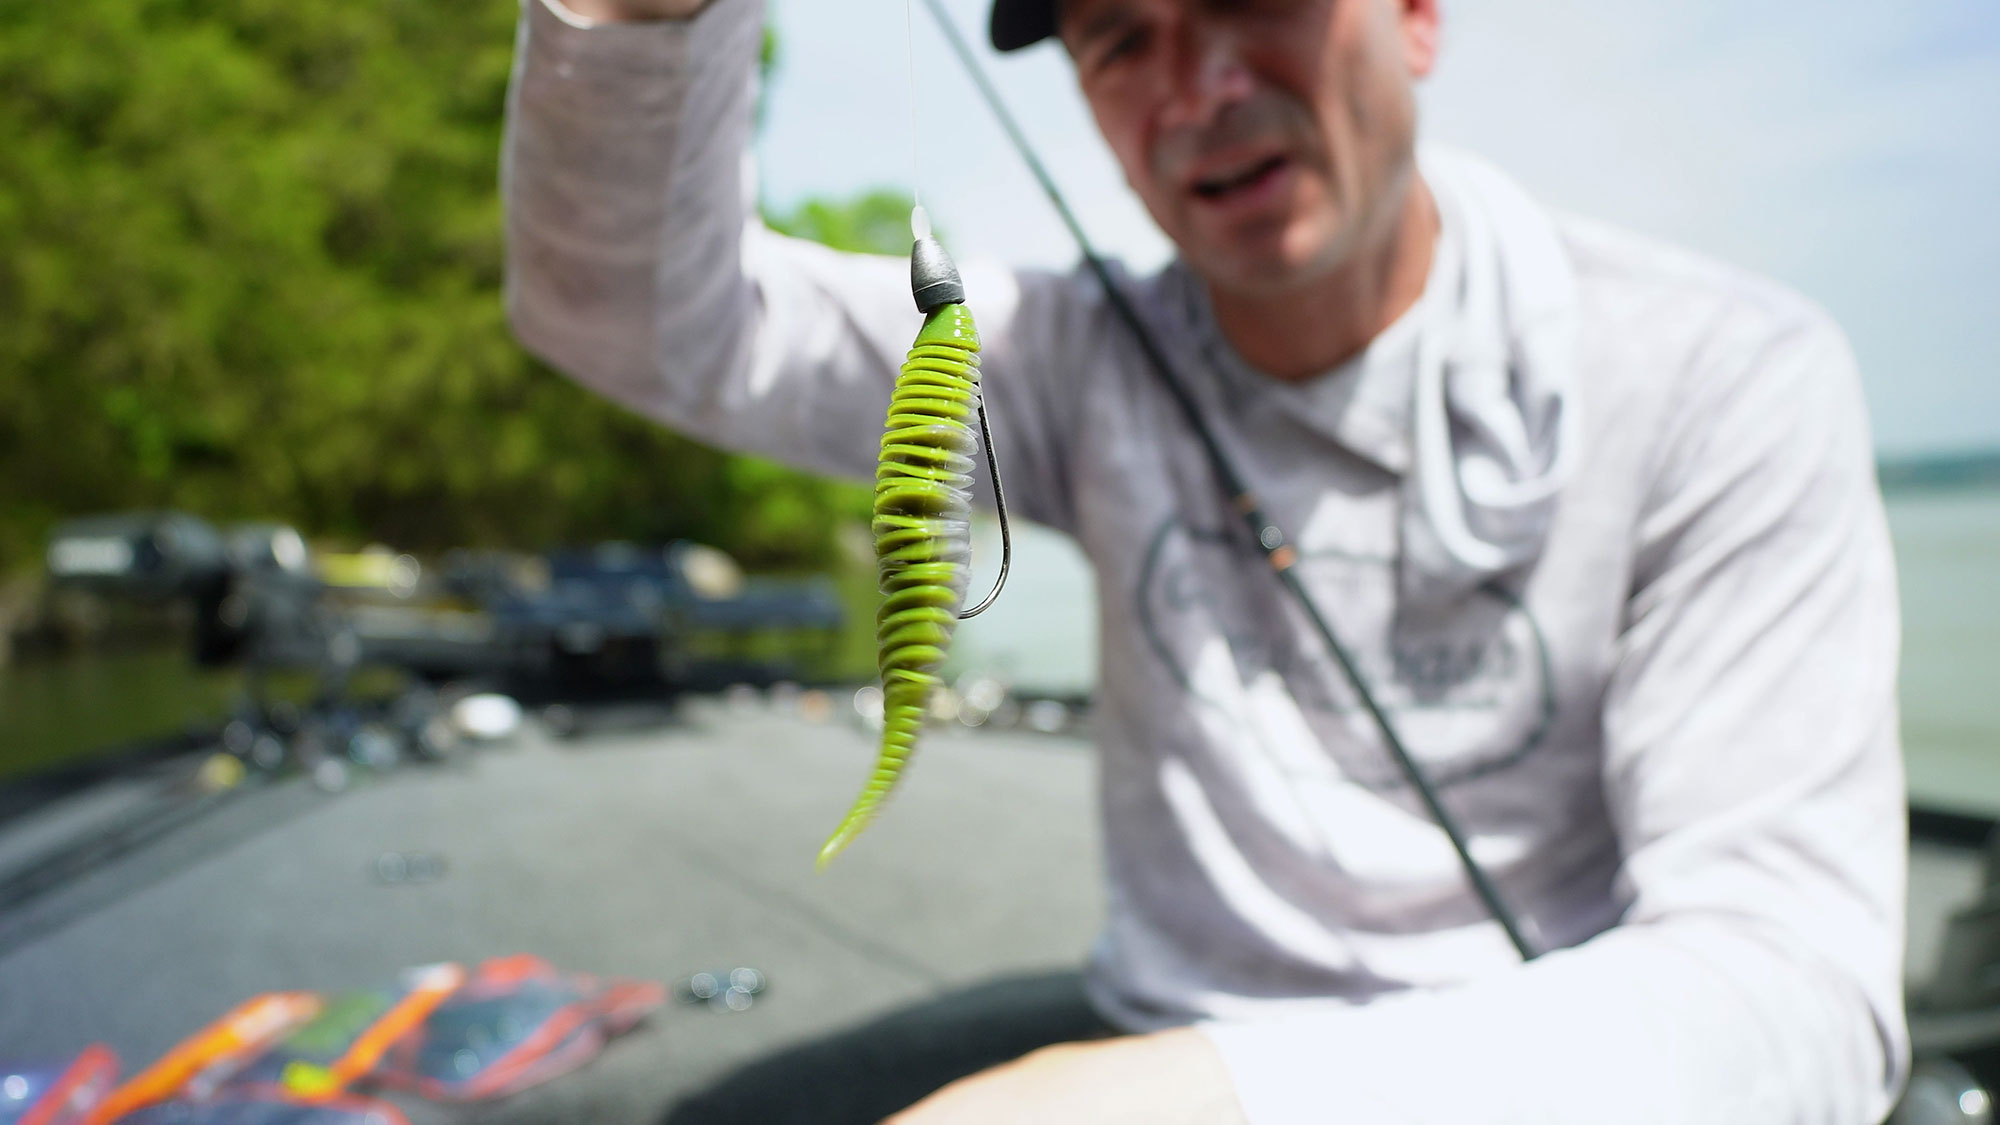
point(250, 264)
point(875, 221)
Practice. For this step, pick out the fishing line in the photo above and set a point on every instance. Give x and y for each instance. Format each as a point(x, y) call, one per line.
point(1277, 549)
point(920, 220)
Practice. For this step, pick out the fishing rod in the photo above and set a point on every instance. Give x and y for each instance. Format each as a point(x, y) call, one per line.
point(1263, 530)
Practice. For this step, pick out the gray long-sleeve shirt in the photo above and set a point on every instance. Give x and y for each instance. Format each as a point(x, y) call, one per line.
point(1671, 737)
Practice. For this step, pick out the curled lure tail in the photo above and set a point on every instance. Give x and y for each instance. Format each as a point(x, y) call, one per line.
point(923, 540)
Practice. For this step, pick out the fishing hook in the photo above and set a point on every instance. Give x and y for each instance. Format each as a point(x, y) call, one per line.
point(934, 282)
point(1000, 507)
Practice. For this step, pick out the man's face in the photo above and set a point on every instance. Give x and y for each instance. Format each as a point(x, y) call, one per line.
point(1269, 138)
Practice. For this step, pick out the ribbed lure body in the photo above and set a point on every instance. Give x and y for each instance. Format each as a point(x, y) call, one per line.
point(923, 539)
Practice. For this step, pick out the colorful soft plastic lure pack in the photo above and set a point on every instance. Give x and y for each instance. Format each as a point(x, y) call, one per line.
point(294, 1058)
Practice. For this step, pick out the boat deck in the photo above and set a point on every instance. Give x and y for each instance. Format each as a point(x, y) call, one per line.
point(645, 852)
point(651, 853)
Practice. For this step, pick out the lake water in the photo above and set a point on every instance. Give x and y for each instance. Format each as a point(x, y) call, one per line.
point(1948, 560)
point(58, 710)
point(1041, 636)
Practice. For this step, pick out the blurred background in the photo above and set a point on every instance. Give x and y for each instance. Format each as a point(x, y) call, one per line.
point(338, 635)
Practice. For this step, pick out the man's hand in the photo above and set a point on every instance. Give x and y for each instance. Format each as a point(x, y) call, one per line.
point(619, 11)
point(1167, 1078)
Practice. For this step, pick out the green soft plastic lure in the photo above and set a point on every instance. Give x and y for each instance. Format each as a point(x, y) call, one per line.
point(923, 520)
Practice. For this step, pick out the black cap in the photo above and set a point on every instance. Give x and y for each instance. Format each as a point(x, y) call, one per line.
point(1021, 23)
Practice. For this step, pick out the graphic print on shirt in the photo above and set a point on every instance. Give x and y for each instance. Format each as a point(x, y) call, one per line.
point(1469, 692)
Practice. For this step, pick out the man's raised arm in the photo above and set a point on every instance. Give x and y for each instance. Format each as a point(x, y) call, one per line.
point(638, 266)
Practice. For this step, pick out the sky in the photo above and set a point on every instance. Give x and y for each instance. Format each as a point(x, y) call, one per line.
point(1848, 149)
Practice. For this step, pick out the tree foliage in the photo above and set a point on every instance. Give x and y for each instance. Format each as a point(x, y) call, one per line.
point(877, 221)
point(250, 265)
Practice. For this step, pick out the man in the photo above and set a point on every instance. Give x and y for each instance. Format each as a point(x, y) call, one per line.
point(1597, 516)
